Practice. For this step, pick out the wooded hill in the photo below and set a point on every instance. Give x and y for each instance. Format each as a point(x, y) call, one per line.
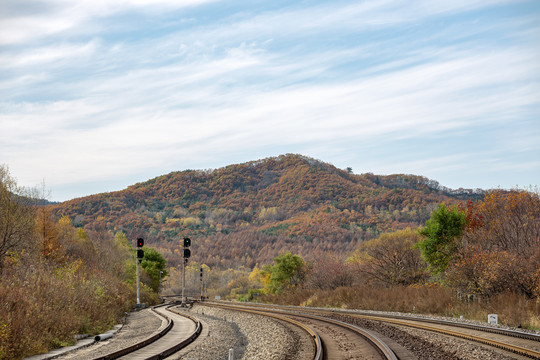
point(248, 213)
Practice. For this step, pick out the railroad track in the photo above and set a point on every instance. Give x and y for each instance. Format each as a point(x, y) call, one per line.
point(519, 343)
point(329, 335)
point(515, 342)
point(181, 330)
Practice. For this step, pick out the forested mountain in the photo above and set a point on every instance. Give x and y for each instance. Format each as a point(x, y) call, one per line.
point(248, 213)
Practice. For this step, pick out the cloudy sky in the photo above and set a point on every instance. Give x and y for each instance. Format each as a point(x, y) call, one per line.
point(96, 95)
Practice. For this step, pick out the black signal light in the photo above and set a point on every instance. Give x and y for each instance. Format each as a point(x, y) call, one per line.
point(187, 242)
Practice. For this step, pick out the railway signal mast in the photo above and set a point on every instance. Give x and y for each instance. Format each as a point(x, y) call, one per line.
point(140, 255)
point(187, 254)
point(202, 285)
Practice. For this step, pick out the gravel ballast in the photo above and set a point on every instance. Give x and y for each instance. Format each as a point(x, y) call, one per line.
point(251, 336)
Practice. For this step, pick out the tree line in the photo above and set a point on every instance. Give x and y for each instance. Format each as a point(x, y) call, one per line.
point(481, 251)
point(263, 208)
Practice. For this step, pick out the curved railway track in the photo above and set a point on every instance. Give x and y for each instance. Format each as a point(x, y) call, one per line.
point(328, 335)
point(515, 342)
point(520, 343)
point(181, 330)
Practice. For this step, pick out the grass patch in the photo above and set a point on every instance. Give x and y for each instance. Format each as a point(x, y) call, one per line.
point(513, 309)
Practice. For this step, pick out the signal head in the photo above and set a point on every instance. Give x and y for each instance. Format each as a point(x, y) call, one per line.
point(187, 242)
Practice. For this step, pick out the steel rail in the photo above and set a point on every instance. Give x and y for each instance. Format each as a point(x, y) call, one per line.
point(185, 342)
point(477, 327)
point(380, 345)
point(403, 320)
point(153, 338)
point(498, 344)
point(319, 353)
point(483, 328)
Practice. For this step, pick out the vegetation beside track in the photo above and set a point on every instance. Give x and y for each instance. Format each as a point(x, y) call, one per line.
point(58, 280)
point(469, 260)
point(513, 309)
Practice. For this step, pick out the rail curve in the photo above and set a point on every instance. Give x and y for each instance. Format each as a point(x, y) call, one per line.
point(162, 333)
point(377, 343)
point(534, 354)
point(315, 337)
point(431, 325)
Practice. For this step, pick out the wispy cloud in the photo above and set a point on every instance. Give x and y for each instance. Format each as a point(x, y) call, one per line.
point(27, 21)
point(201, 84)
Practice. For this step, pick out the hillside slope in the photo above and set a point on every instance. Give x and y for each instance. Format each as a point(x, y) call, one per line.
point(248, 213)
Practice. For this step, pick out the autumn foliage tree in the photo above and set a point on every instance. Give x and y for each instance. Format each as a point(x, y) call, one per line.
point(16, 216)
point(502, 251)
point(47, 232)
point(391, 259)
point(510, 222)
point(328, 273)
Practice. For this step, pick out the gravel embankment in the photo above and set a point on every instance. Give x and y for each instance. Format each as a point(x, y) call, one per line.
point(427, 345)
point(256, 337)
point(449, 319)
point(217, 337)
point(251, 336)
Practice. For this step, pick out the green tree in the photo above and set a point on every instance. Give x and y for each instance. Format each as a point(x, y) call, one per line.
point(288, 271)
point(154, 264)
point(442, 233)
point(124, 254)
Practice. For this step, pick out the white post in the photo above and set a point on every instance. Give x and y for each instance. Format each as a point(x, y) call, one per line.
point(231, 354)
point(183, 281)
point(138, 294)
point(140, 244)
